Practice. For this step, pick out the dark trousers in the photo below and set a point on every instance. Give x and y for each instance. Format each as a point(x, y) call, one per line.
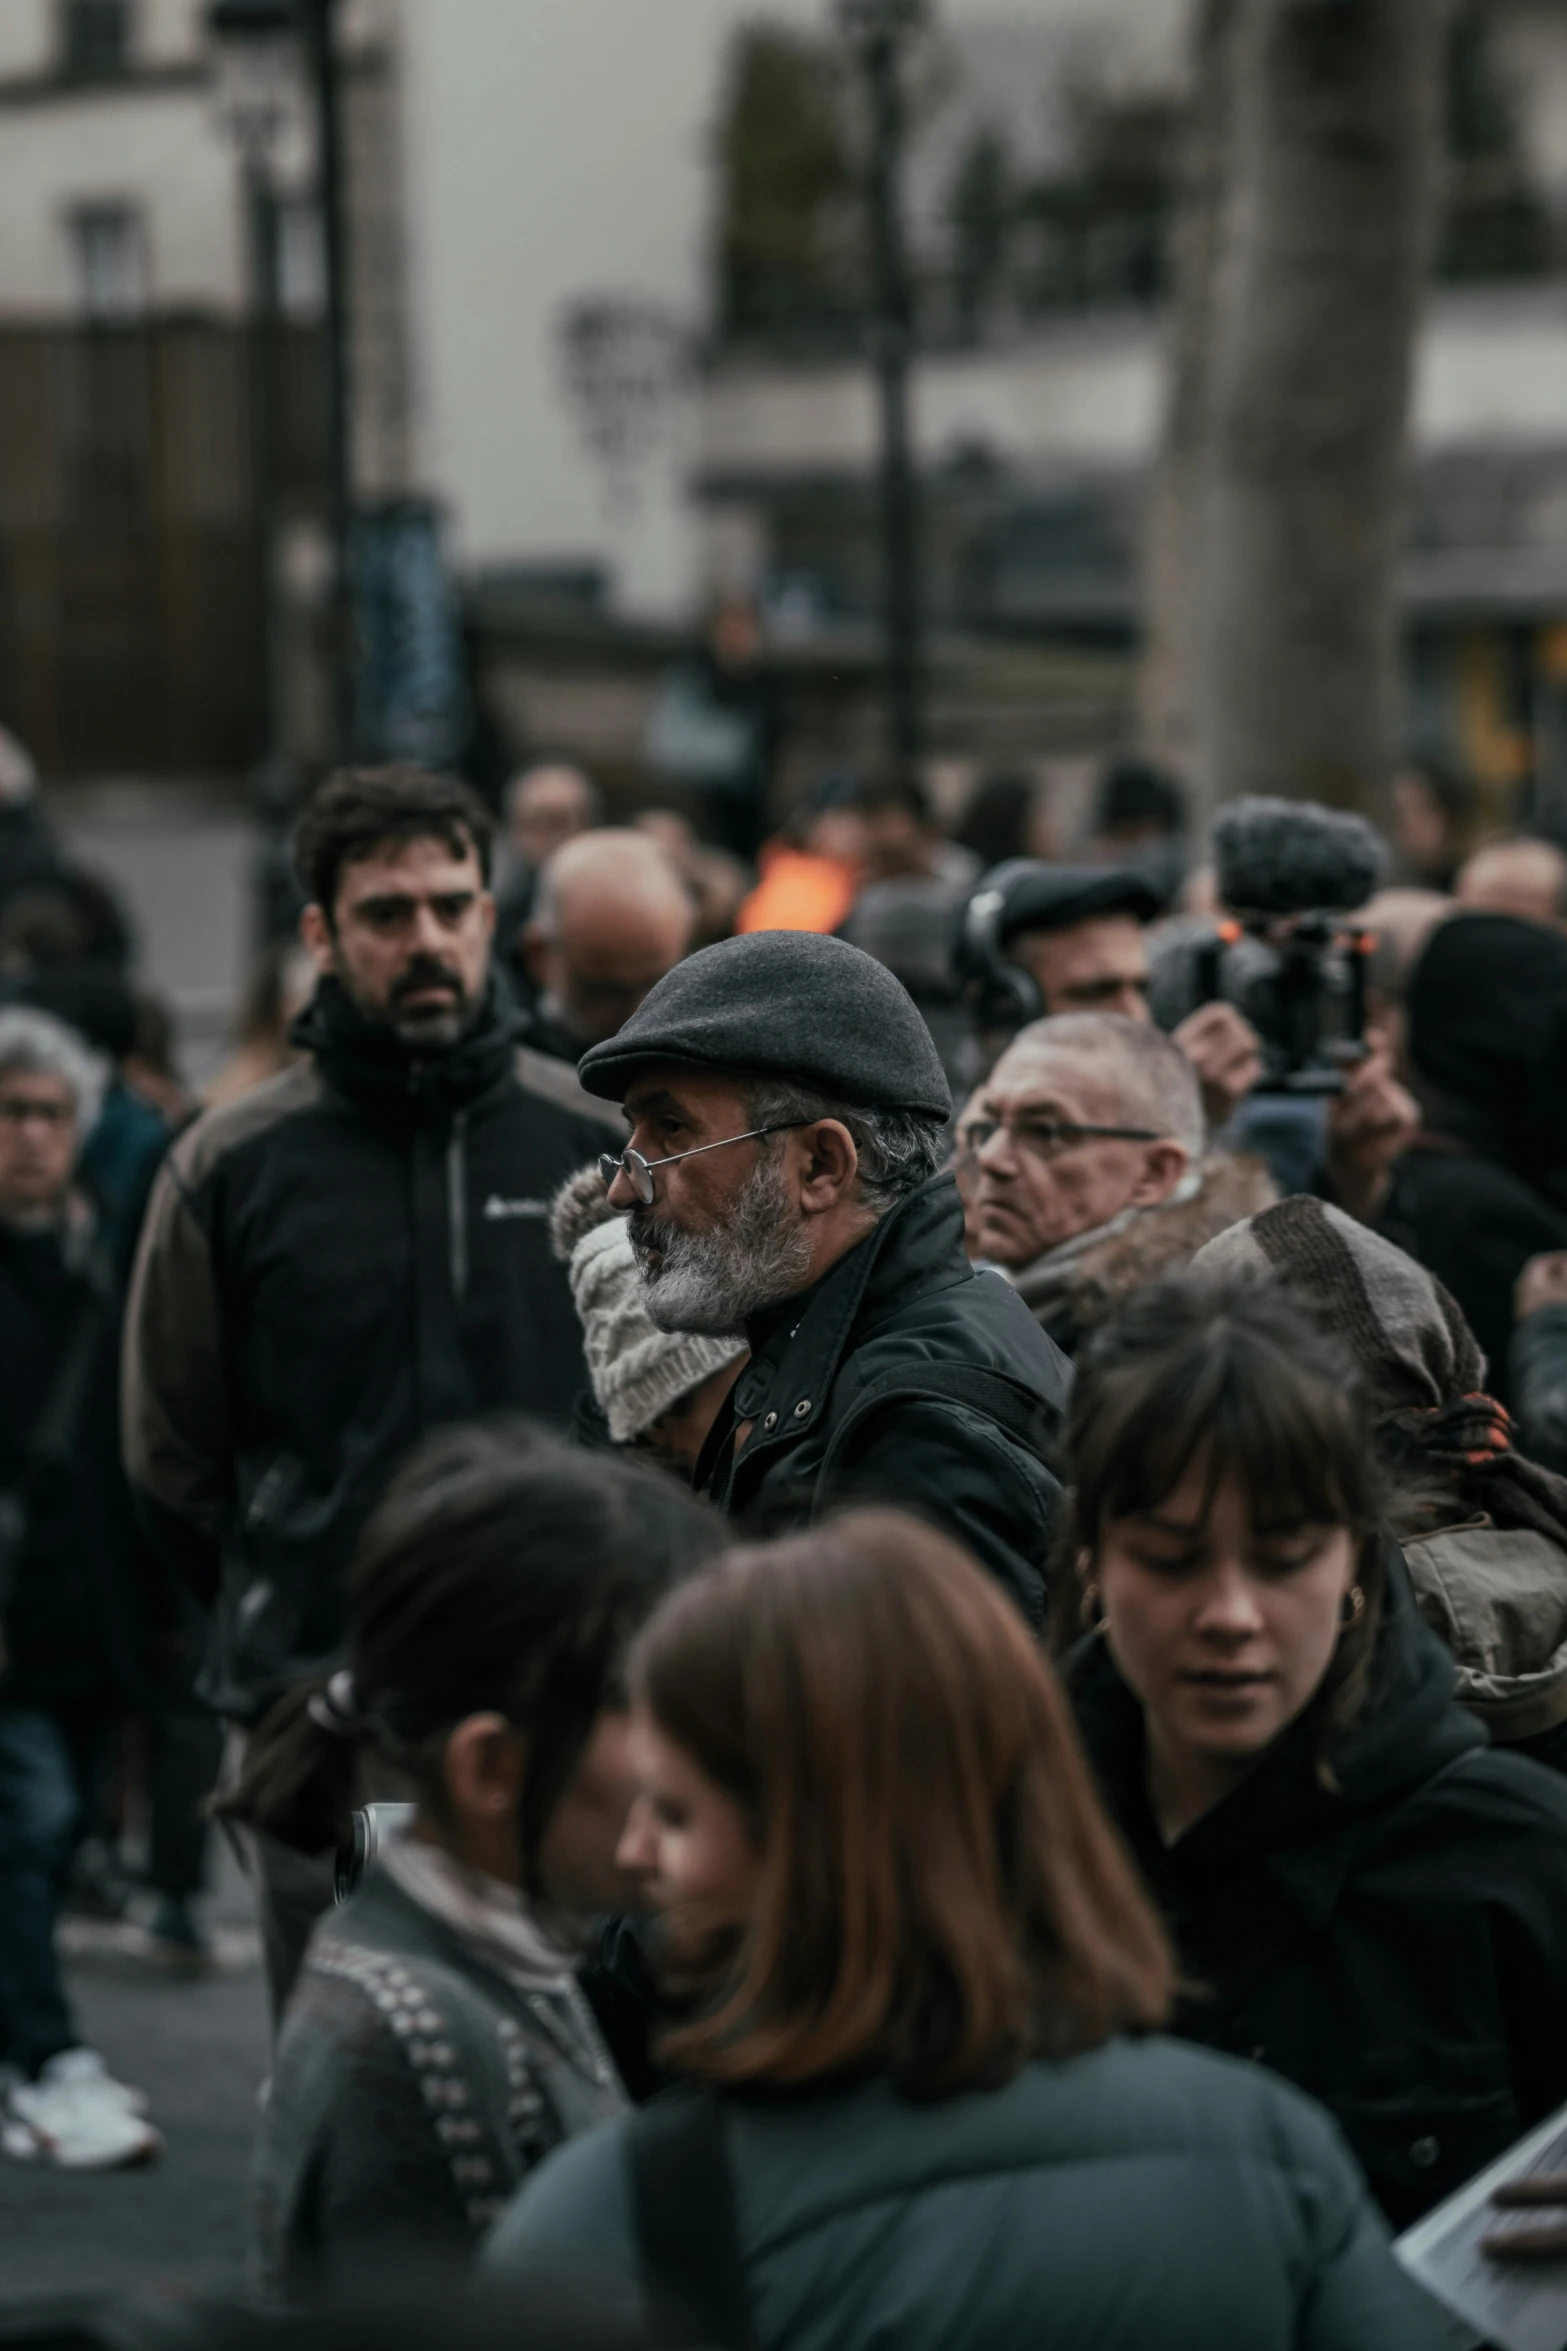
point(50, 1759)
point(184, 1757)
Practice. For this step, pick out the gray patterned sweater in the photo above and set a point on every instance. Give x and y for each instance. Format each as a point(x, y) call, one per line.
point(416, 2085)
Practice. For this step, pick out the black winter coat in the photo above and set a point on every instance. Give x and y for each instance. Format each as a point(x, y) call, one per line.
point(347, 1257)
point(1397, 1948)
point(88, 1594)
point(905, 1302)
point(1475, 1224)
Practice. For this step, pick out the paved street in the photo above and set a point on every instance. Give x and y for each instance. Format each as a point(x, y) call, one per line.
point(199, 2049)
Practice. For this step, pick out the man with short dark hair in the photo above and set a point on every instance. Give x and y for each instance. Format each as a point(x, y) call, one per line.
point(783, 1181)
point(356, 1251)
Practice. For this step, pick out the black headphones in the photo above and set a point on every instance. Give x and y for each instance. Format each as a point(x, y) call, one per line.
point(1000, 994)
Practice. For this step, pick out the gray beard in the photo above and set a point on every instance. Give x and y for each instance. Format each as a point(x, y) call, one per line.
point(713, 1282)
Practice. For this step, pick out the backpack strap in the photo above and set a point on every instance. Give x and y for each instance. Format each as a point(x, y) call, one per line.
point(1018, 1411)
point(683, 2194)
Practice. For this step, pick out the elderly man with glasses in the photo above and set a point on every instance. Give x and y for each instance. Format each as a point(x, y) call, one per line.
point(1081, 1162)
point(784, 1182)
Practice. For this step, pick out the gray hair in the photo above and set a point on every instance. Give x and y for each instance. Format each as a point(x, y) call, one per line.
point(1159, 1086)
point(898, 1150)
point(44, 1047)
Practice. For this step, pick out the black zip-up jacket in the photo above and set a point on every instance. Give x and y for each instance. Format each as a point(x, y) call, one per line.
point(349, 1256)
point(88, 1594)
point(903, 1304)
point(1395, 1945)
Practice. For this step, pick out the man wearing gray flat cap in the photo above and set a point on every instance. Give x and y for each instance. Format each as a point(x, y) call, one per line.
point(783, 1182)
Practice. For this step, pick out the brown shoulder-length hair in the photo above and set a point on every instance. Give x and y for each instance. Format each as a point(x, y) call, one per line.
point(941, 1897)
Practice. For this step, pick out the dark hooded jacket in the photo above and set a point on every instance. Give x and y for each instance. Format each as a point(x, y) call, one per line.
point(348, 1256)
point(903, 1305)
point(88, 1595)
point(1484, 1187)
point(1397, 1945)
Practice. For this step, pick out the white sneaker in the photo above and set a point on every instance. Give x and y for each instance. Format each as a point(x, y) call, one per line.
point(76, 2116)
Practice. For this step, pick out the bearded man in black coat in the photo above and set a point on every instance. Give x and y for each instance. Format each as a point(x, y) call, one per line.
point(784, 1179)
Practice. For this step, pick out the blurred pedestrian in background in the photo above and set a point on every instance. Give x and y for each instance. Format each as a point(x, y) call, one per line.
point(610, 917)
point(438, 2045)
point(78, 1607)
point(347, 1257)
point(280, 984)
point(784, 1183)
point(1006, 815)
point(717, 728)
point(1483, 1187)
point(546, 804)
point(919, 1988)
point(1525, 878)
point(1363, 1894)
point(811, 871)
point(1436, 810)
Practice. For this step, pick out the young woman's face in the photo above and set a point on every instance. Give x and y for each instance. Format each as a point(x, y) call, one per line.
point(687, 1841)
point(1223, 1628)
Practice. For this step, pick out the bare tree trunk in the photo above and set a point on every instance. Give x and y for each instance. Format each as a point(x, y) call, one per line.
point(1173, 515)
point(1336, 146)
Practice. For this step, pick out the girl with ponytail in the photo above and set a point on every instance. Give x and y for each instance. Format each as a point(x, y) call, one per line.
point(437, 2044)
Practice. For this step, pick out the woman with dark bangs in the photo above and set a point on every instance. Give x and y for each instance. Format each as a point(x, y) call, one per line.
point(920, 1990)
point(1362, 1894)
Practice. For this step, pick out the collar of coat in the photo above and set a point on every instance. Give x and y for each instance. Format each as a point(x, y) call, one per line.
point(1284, 1823)
point(368, 1062)
point(798, 1345)
point(1080, 1284)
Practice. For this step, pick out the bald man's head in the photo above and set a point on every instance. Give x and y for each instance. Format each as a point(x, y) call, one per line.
point(1526, 878)
point(612, 916)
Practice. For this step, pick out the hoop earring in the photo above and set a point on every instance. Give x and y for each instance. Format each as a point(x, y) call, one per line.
point(1089, 1613)
point(1354, 1608)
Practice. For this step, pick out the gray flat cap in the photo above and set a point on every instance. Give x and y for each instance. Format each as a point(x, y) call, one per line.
point(787, 1004)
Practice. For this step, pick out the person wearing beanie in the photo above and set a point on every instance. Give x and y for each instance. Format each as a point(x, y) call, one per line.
point(657, 1390)
point(786, 1182)
point(1482, 1528)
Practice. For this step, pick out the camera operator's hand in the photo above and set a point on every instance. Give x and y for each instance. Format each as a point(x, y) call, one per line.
point(1543, 1282)
point(1225, 1051)
point(1370, 1126)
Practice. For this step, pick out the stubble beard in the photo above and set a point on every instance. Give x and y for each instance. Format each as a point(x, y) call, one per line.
point(711, 1283)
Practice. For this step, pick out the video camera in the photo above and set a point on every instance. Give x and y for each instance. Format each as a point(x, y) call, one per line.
point(1288, 871)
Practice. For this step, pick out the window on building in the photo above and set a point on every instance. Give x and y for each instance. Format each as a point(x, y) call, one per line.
point(111, 261)
point(95, 39)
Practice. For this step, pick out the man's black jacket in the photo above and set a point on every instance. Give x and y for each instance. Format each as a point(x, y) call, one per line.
point(352, 1254)
point(903, 1307)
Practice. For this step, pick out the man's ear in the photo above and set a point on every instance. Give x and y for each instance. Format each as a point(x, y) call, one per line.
point(316, 936)
point(831, 1167)
point(1163, 1167)
point(482, 1767)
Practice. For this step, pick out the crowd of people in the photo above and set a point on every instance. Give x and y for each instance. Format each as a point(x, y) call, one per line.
point(952, 1546)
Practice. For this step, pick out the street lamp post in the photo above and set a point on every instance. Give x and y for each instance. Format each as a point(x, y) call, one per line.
point(326, 77)
point(255, 53)
point(880, 31)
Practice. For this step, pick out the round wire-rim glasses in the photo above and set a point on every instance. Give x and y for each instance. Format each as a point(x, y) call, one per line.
point(638, 1171)
point(1047, 1138)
